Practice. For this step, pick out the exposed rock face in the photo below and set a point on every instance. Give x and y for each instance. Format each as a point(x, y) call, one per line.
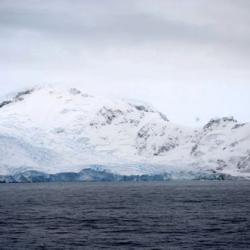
point(219, 121)
point(54, 130)
point(244, 163)
point(18, 97)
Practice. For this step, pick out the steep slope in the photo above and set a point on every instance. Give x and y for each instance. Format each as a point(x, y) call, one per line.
point(224, 144)
point(56, 130)
point(69, 129)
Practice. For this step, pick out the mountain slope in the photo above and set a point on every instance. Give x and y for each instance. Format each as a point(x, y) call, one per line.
point(58, 130)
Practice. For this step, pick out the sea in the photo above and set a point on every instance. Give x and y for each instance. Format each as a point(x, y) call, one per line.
point(126, 215)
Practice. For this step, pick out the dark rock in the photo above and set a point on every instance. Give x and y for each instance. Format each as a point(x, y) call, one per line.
point(216, 122)
point(4, 103)
point(239, 125)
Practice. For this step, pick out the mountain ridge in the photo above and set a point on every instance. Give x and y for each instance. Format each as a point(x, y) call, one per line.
point(55, 130)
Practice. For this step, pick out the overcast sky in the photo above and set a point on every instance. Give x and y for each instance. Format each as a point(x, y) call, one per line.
point(188, 58)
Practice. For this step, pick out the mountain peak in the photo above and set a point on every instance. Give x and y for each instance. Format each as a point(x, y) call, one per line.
point(55, 129)
point(219, 121)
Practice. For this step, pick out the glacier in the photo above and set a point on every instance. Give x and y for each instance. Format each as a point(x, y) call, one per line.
point(93, 175)
point(51, 133)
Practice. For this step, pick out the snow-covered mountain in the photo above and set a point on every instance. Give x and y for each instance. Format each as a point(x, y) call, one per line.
point(55, 130)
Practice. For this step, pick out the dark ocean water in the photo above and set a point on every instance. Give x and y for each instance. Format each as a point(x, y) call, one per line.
point(172, 215)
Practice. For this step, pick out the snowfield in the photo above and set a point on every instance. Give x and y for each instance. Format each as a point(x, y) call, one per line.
point(54, 130)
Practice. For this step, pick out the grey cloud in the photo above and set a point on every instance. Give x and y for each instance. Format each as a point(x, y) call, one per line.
point(174, 53)
point(108, 22)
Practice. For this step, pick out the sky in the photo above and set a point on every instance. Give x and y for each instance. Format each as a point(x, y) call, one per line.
point(189, 59)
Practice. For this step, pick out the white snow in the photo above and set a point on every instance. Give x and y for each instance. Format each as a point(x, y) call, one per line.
point(58, 129)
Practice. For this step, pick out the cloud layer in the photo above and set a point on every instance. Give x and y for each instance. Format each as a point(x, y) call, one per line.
point(189, 58)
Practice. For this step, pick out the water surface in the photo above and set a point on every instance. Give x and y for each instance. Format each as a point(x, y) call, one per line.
point(170, 215)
